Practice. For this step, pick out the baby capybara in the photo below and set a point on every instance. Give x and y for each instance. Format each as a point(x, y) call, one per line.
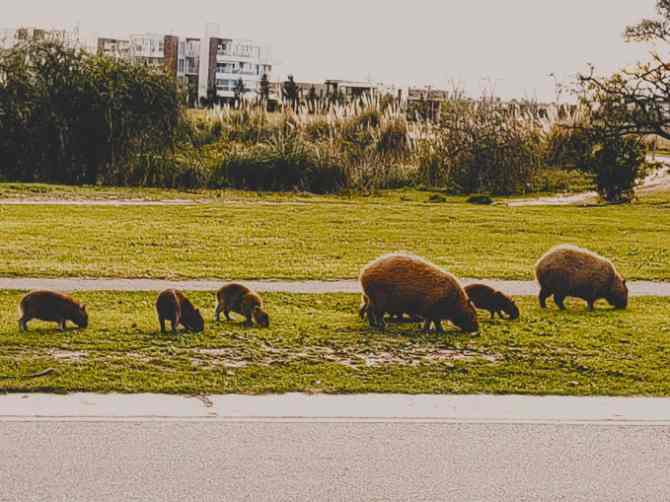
point(395, 316)
point(486, 298)
point(173, 306)
point(568, 270)
point(406, 283)
point(52, 307)
point(241, 300)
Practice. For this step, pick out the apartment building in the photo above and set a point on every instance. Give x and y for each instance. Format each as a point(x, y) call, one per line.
point(231, 60)
point(114, 47)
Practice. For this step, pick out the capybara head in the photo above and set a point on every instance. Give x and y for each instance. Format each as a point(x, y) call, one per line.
point(261, 317)
point(193, 321)
point(80, 317)
point(618, 294)
point(466, 318)
point(508, 306)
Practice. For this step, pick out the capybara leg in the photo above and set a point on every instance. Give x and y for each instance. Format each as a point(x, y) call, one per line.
point(61, 325)
point(372, 318)
point(438, 327)
point(558, 299)
point(248, 323)
point(175, 322)
point(161, 320)
point(226, 312)
point(362, 312)
point(590, 304)
point(217, 312)
point(426, 326)
point(23, 323)
point(493, 314)
point(544, 294)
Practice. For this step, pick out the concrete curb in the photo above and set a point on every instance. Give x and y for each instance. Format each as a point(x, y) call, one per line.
point(328, 408)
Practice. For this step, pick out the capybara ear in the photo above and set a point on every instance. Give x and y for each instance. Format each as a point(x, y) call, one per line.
point(83, 308)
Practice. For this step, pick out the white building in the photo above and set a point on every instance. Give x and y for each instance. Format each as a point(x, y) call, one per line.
point(224, 61)
point(147, 49)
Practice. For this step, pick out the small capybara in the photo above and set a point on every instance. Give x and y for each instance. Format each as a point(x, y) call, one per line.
point(241, 300)
point(173, 306)
point(486, 298)
point(395, 316)
point(406, 283)
point(52, 307)
point(568, 270)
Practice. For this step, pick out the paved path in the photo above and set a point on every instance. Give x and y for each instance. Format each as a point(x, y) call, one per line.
point(516, 288)
point(424, 448)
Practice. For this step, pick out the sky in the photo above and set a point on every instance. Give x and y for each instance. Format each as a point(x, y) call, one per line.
point(510, 46)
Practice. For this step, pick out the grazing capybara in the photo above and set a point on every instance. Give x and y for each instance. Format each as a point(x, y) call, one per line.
point(173, 306)
point(568, 270)
point(395, 316)
point(486, 298)
point(52, 307)
point(241, 300)
point(406, 283)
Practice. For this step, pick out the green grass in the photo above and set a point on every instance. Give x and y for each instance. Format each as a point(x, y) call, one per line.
point(302, 237)
point(316, 343)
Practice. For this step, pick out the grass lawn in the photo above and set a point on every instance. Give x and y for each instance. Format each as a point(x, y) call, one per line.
point(247, 236)
point(316, 343)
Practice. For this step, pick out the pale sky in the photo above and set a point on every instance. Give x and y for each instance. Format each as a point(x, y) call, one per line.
point(514, 43)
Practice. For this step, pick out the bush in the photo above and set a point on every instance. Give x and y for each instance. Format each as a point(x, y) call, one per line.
point(483, 146)
point(70, 117)
point(618, 163)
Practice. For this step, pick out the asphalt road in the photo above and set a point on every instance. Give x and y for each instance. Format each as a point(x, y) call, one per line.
point(203, 460)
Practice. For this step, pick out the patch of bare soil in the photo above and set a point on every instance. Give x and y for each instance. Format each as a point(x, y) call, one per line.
point(352, 357)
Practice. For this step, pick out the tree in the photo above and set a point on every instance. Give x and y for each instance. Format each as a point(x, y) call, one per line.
point(635, 100)
point(290, 92)
point(265, 89)
point(71, 117)
point(623, 108)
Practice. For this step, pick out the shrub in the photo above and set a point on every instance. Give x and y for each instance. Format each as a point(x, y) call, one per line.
point(71, 117)
point(617, 164)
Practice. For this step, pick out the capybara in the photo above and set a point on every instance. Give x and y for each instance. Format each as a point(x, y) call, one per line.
point(486, 298)
point(406, 283)
point(395, 316)
point(52, 307)
point(173, 306)
point(568, 270)
point(241, 300)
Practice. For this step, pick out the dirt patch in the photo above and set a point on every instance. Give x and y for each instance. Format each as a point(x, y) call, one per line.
point(67, 355)
point(352, 357)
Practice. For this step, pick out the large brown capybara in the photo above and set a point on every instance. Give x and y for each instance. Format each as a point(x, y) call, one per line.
point(173, 306)
point(52, 307)
point(486, 298)
point(568, 270)
point(241, 300)
point(406, 283)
